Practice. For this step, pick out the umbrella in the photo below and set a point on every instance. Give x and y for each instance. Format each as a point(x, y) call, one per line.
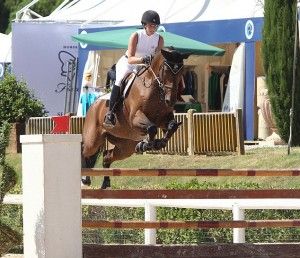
point(118, 39)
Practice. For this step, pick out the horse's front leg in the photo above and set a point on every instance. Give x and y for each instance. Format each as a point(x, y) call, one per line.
point(146, 127)
point(172, 127)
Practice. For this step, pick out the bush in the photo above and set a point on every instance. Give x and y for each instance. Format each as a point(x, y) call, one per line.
point(17, 101)
point(9, 237)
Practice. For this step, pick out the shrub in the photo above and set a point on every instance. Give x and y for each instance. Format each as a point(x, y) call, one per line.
point(17, 101)
point(8, 236)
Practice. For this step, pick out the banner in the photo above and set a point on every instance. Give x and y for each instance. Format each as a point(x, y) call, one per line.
point(41, 54)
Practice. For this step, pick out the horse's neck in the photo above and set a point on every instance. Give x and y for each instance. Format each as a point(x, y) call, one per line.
point(157, 62)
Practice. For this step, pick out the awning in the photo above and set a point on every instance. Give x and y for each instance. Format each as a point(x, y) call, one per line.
point(118, 39)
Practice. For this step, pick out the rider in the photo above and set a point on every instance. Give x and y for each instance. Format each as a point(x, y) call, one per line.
point(143, 44)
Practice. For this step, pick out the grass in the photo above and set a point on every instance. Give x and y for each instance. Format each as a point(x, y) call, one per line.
point(256, 158)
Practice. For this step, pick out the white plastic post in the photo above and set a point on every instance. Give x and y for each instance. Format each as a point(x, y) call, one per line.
point(238, 233)
point(150, 215)
point(51, 173)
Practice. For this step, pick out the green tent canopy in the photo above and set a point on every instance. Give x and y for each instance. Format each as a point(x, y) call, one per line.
point(118, 39)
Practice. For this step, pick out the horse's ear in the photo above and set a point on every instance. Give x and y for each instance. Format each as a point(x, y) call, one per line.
point(166, 53)
point(163, 51)
point(186, 55)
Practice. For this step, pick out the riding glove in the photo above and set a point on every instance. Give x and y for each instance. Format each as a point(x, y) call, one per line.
point(147, 60)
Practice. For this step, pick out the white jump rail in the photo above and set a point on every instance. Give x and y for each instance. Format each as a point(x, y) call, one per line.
point(237, 206)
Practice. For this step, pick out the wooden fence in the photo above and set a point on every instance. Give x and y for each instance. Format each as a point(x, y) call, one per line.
point(200, 133)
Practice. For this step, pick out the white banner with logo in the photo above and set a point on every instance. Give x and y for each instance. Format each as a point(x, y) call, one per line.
point(41, 53)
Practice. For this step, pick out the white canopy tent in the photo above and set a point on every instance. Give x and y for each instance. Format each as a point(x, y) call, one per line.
point(129, 12)
point(5, 48)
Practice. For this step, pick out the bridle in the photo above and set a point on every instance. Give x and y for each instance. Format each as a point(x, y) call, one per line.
point(174, 67)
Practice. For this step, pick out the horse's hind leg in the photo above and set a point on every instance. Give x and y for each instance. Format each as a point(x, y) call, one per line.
point(106, 179)
point(123, 149)
point(88, 163)
point(90, 150)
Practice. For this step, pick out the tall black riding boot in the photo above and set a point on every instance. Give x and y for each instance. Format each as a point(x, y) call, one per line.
point(110, 118)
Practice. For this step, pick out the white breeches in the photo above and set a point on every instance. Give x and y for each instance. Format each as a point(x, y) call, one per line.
point(122, 69)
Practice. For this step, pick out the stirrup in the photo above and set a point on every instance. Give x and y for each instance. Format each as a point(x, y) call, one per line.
point(109, 120)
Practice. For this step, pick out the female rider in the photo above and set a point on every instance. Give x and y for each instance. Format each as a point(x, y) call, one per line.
point(143, 44)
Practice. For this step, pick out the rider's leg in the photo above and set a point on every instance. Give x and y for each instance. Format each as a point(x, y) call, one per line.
point(122, 68)
point(110, 119)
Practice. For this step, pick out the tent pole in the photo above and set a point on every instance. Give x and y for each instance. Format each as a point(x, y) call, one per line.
point(294, 78)
point(18, 13)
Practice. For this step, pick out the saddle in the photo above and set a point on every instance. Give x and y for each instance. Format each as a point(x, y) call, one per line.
point(128, 81)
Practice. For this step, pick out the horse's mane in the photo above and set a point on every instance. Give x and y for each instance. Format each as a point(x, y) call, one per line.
point(157, 61)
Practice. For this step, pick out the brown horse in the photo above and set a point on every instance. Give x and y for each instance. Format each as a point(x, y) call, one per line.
point(146, 107)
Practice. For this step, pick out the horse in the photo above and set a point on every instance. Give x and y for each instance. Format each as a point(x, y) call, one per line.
point(146, 106)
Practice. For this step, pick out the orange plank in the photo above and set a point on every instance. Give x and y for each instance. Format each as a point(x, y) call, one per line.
point(191, 224)
point(188, 172)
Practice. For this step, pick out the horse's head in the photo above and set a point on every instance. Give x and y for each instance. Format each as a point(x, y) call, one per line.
point(170, 73)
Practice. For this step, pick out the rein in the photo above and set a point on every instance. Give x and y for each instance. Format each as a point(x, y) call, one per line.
point(173, 67)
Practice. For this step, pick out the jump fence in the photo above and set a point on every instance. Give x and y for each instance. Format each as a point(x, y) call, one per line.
point(52, 206)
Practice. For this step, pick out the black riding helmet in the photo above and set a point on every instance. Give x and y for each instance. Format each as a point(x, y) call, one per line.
point(150, 16)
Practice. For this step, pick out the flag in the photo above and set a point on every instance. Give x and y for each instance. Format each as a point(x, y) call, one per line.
point(61, 124)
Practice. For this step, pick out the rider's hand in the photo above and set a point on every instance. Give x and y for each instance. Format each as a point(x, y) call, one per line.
point(147, 60)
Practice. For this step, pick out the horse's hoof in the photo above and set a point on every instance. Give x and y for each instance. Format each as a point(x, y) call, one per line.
point(86, 180)
point(105, 184)
point(159, 144)
point(139, 148)
point(162, 144)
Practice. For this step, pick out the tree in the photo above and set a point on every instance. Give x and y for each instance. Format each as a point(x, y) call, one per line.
point(10, 7)
point(4, 14)
point(278, 50)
